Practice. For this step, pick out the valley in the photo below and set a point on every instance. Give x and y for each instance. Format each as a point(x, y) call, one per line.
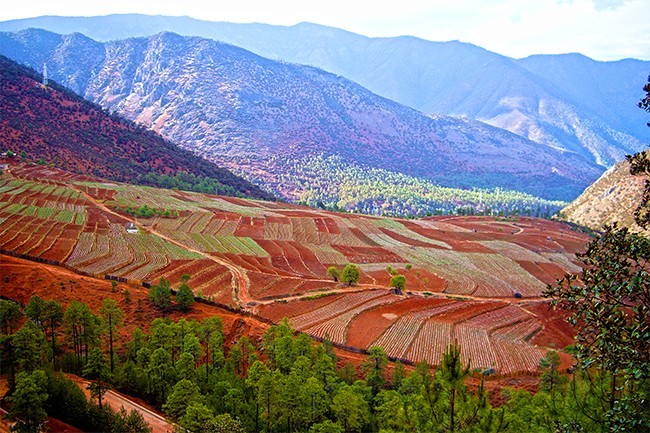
point(476, 280)
point(260, 228)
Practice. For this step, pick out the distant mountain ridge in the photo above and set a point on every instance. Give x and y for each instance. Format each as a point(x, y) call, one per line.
point(243, 110)
point(565, 101)
point(52, 125)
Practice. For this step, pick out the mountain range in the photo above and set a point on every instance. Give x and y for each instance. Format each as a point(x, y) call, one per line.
point(255, 115)
point(564, 101)
point(52, 125)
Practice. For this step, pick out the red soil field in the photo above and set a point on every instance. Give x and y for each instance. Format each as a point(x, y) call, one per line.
point(22, 279)
point(250, 227)
point(556, 331)
point(369, 325)
point(466, 312)
point(547, 273)
point(458, 241)
point(327, 225)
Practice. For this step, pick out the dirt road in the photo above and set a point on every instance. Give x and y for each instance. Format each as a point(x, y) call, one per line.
point(116, 400)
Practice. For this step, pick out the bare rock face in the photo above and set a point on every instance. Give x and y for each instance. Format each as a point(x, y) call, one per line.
point(250, 113)
point(612, 198)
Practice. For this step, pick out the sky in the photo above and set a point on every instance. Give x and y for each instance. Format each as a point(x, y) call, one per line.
point(600, 29)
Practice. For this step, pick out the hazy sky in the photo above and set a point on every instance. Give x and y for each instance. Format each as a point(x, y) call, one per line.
point(602, 29)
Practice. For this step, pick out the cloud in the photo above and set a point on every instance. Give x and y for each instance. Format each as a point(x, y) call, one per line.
point(602, 5)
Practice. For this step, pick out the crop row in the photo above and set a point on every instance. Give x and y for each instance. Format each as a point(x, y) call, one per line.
point(335, 308)
point(335, 328)
point(397, 339)
point(501, 317)
point(431, 342)
point(520, 331)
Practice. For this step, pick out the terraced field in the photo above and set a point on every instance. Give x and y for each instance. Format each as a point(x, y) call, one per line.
point(471, 279)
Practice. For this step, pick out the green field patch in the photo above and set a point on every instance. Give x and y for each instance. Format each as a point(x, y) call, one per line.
point(153, 244)
point(228, 244)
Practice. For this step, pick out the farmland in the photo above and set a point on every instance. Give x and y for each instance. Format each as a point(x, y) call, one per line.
point(476, 280)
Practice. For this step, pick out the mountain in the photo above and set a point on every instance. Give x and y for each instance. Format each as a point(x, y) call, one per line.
point(612, 198)
point(257, 115)
point(55, 126)
point(565, 101)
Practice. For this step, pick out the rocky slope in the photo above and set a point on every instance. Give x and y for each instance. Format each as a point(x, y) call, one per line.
point(246, 111)
point(612, 198)
point(565, 101)
point(52, 125)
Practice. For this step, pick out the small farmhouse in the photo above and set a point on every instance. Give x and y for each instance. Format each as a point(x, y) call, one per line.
point(131, 228)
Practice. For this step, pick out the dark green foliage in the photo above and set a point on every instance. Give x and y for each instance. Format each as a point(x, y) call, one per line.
point(188, 182)
point(351, 409)
point(610, 301)
point(97, 370)
point(326, 426)
point(27, 402)
point(334, 183)
point(53, 318)
point(30, 348)
point(551, 377)
point(184, 393)
point(82, 328)
point(65, 401)
point(197, 417)
point(180, 367)
point(35, 310)
point(374, 367)
point(9, 315)
point(184, 297)
point(350, 274)
point(161, 294)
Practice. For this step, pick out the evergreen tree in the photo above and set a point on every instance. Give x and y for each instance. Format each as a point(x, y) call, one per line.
point(184, 393)
point(112, 317)
point(35, 310)
point(185, 297)
point(374, 366)
point(27, 402)
point(97, 370)
point(30, 347)
point(161, 294)
point(9, 316)
point(52, 317)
